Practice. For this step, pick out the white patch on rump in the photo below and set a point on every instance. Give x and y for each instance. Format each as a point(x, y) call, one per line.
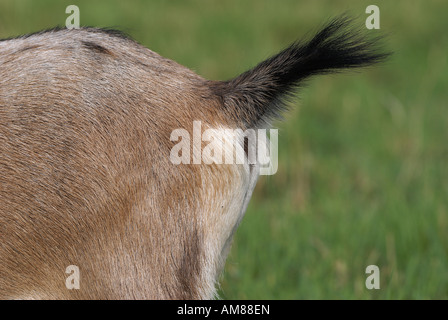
point(228, 189)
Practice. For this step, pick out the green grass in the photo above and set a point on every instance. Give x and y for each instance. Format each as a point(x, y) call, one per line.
point(363, 157)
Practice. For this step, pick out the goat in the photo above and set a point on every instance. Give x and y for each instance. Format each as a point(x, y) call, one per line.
point(86, 179)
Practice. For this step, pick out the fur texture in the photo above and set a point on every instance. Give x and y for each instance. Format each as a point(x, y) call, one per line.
point(85, 171)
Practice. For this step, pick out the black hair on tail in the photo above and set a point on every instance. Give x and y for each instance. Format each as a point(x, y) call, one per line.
point(257, 96)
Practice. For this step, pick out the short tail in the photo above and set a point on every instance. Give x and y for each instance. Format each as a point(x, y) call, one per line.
point(257, 96)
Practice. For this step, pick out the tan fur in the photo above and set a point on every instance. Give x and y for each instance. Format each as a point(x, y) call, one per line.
point(86, 178)
point(85, 172)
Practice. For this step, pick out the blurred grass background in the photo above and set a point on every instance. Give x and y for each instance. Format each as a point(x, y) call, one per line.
point(363, 174)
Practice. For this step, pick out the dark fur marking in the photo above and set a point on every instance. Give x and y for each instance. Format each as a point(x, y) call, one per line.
point(190, 267)
point(27, 48)
point(96, 47)
point(107, 31)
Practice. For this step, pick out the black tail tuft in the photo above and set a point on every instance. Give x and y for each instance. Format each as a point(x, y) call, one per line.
point(256, 96)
